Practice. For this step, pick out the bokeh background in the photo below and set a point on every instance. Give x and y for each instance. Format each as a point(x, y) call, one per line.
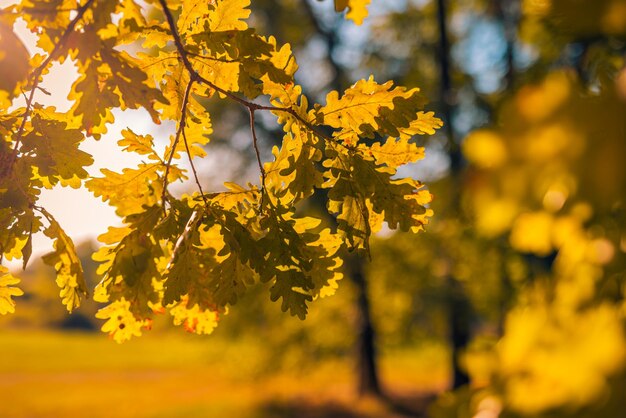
point(510, 305)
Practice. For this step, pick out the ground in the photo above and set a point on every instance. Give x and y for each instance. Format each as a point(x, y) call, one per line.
point(173, 374)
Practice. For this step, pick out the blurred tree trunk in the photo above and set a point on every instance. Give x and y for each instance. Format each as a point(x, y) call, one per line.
point(459, 313)
point(365, 347)
point(458, 303)
point(366, 361)
point(507, 11)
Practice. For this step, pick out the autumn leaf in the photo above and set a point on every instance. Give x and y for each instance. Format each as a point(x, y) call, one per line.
point(8, 290)
point(194, 319)
point(357, 9)
point(368, 108)
point(64, 259)
point(198, 254)
point(120, 323)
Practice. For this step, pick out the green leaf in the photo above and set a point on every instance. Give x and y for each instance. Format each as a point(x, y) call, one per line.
point(290, 286)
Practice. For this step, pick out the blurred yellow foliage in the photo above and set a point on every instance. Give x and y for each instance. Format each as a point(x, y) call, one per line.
point(536, 7)
point(550, 172)
point(550, 141)
point(495, 216)
point(537, 102)
point(579, 18)
point(555, 197)
point(541, 345)
point(567, 229)
point(489, 407)
point(600, 251)
point(614, 18)
point(481, 361)
point(485, 149)
point(531, 233)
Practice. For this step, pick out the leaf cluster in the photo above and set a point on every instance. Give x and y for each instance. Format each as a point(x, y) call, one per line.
point(195, 255)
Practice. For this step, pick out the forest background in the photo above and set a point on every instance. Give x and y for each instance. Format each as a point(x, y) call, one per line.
point(513, 297)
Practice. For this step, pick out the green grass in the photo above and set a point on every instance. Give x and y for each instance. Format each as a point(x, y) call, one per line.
point(54, 374)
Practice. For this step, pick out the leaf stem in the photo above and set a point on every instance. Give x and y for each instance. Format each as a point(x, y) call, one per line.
point(257, 152)
point(193, 169)
point(189, 227)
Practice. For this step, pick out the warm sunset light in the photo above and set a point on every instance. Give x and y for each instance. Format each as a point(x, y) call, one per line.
point(313, 208)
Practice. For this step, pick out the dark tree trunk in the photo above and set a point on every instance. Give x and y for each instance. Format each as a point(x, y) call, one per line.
point(458, 303)
point(507, 11)
point(459, 320)
point(447, 95)
point(365, 346)
point(366, 364)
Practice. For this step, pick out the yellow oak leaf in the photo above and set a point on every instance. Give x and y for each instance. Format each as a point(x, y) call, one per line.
point(357, 9)
point(7, 291)
point(228, 15)
point(66, 263)
point(121, 324)
point(394, 153)
point(130, 190)
point(194, 319)
point(367, 108)
point(425, 124)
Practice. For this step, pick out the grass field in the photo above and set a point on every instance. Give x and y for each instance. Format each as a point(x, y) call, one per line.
point(171, 374)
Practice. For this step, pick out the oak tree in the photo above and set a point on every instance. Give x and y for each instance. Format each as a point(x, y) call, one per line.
point(195, 254)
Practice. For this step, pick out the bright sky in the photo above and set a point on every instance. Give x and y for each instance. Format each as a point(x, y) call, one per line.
point(81, 214)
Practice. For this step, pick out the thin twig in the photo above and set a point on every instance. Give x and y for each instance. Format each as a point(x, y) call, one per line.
point(306, 124)
point(39, 71)
point(257, 152)
point(181, 127)
point(193, 169)
point(213, 59)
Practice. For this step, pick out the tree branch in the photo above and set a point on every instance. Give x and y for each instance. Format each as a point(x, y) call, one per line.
point(181, 127)
point(39, 71)
point(251, 106)
point(257, 152)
